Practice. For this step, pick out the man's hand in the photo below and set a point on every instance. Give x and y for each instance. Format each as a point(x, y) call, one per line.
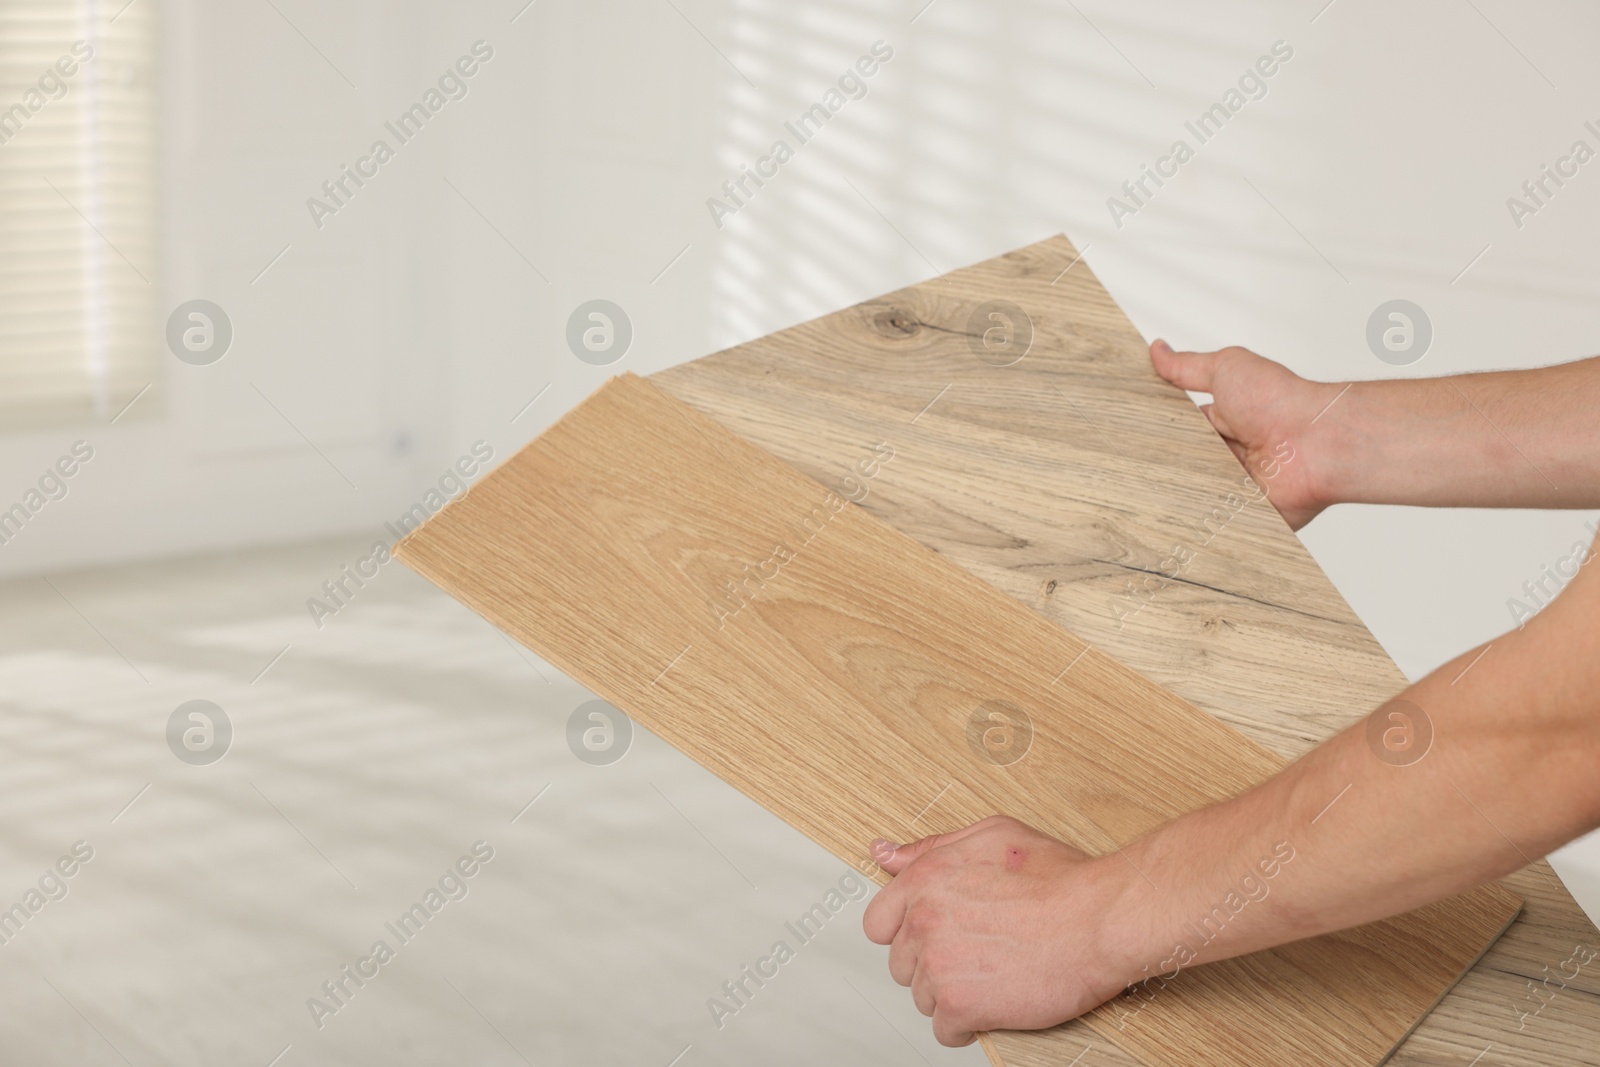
point(1264, 412)
point(998, 926)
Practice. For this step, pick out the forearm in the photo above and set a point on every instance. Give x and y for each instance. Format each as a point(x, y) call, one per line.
point(1504, 439)
point(1513, 772)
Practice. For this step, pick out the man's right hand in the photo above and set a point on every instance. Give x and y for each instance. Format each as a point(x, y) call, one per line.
point(1266, 414)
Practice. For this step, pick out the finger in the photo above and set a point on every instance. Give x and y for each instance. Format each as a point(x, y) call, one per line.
point(951, 1030)
point(1220, 424)
point(903, 956)
point(1186, 370)
point(922, 993)
point(885, 913)
point(1218, 421)
point(897, 859)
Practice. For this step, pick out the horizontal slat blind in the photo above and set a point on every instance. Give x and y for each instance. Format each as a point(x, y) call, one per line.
point(78, 329)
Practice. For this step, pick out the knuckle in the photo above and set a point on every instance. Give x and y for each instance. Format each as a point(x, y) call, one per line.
point(935, 963)
point(947, 1033)
point(954, 1003)
point(920, 922)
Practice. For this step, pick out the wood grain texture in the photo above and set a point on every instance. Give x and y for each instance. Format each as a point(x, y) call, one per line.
point(839, 688)
point(1071, 475)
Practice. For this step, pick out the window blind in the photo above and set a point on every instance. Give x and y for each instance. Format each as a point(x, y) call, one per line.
point(78, 330)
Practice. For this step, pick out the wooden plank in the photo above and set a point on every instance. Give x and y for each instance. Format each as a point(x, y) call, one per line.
point(838, 685)
point(1066, 480)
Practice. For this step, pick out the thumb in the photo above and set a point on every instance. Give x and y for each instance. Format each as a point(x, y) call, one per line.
point(896, 858)
point(1186, 370)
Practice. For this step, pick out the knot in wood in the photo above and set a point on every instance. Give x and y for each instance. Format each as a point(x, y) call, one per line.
point(895, 323)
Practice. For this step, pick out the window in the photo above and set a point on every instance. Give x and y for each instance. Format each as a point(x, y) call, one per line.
point(78, 335)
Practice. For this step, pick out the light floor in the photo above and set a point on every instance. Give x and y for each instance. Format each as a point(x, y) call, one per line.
point(365, 762)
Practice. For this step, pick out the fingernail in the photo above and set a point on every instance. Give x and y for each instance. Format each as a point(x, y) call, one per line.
point(882, 849)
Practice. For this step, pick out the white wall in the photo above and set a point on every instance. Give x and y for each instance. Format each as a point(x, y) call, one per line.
point(339, 334)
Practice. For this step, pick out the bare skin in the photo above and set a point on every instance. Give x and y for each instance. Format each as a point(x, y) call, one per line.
point(998, 926)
